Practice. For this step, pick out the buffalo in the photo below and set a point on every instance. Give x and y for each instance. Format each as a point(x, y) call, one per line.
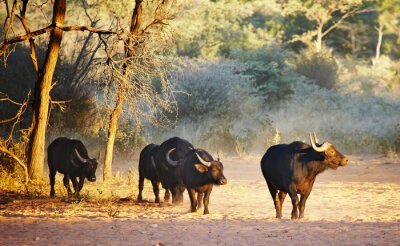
point(199, 173)
point(148, 170)
point(292, 168)
point(167, 160)
point(70, 157)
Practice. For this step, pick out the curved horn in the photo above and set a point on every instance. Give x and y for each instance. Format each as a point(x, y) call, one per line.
point(315, 138)
point(324, 146)
point(206, 163)
point(169, 160)
point(81, 159)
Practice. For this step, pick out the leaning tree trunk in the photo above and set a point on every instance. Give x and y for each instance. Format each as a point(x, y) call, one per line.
point(112, 131)
point(41, 112)
point(136, 22)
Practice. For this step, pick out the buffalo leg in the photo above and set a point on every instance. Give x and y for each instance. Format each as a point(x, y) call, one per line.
point(275, 197)
point(199, 199)
point(173, 194)
point(80, 184)
point(303, 200)
point(52, 177)
point(179, 189)
point(156, 191)
point(193, 201)
point(282, 196)
point(206, 199)
point(141, 185)
point(74, 184)
point(295, 201)
point(167, 195)
point(66, 184)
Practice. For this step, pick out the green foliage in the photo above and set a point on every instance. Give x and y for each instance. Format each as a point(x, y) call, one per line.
point(213, 29)
point(362, 78)
point(318, 67)
point(272, 75)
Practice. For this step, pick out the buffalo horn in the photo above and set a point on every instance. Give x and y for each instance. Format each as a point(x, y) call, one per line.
point(81, 159)
point(169, 160)
point(206, 163)
point(324, 146)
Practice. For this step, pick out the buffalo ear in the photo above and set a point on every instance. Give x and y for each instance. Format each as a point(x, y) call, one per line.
point(201, 168)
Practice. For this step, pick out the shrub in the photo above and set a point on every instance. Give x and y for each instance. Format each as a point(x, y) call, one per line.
point(353, 123)
point(318, 67)
point(217, 106)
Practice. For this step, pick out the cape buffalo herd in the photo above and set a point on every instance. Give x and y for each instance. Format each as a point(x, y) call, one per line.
point(177, 165)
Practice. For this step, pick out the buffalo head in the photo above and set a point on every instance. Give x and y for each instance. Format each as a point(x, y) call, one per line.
point(88, 165)
point(213, 169)
point(333, 158)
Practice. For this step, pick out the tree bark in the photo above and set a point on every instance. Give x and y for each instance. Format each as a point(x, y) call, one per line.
point(318, 42)
point(42, 97)
point(136, 22)
point(112, 131)
point(378, 45)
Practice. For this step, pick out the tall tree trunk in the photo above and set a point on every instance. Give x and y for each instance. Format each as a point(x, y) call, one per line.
point(36, 148)
point(378, 45)
point(136, 22)
point(318, 42)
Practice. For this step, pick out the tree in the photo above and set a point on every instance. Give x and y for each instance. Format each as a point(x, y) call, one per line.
point(42, 96)
point(325, 15)
point(133, 81)
point(44, 83)
point(387, 19)
point(134, 71)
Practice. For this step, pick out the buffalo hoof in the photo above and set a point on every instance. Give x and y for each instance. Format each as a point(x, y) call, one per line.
point(157, 200)
point(206, 211)
point(193, 210)
point(52, 195)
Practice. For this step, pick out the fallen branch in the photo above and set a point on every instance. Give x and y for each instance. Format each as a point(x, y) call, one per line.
point(17, 159)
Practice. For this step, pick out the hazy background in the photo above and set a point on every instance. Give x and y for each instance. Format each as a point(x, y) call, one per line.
point(241, 85)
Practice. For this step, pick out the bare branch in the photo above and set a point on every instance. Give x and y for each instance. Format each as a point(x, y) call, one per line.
point(7, 43)
point(21, 110)
point(7, 98)
point(4, 150)
point(345, 16)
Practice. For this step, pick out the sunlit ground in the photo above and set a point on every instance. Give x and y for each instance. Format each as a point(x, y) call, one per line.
point(355, 205)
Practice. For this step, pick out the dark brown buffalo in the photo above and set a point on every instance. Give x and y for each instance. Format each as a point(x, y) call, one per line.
point(70, 157)
point(199, 173)
point(168, 162)
point(292, 168)
point(148, 170)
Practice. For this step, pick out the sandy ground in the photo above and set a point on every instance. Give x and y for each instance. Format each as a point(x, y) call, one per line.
point(355, 205)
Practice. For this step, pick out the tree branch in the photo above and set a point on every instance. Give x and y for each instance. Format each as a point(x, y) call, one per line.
point(7, 43)
point(4, 150)
point(345, 16)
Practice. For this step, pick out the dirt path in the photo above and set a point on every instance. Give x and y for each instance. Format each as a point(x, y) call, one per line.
point(355, 205)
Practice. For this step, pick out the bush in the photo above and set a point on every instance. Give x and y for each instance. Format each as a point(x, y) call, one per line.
point(217, 107)
point(318, 67)
point(272, 76)
point(355, 124)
